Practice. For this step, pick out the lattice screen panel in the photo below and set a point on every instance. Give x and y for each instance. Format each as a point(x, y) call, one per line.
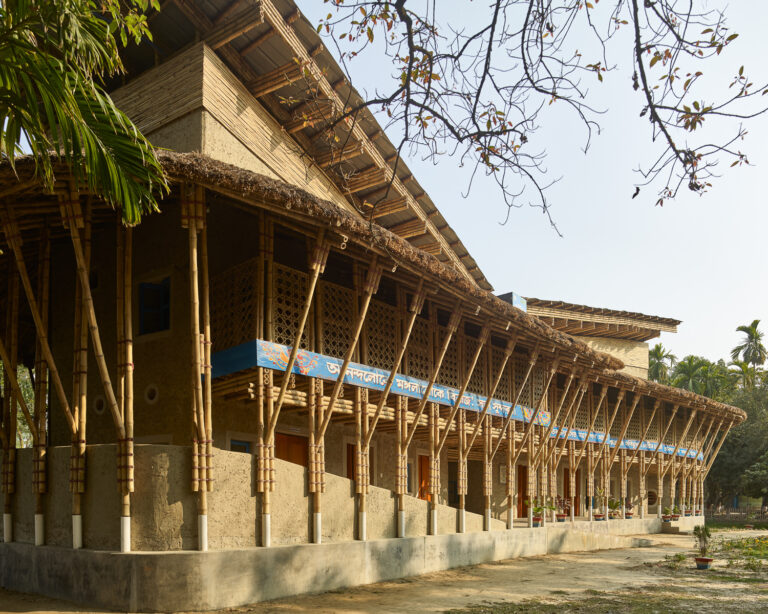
point(669, 438)
point(521, 368)
point(420, 350)
point(654, 431)
point(539, 379)
point(234, 305)
point(383, 339)
point(337, 305)
point(619, 420)
point(635, 428)
point(504, 389)
point(582, 416)
point(477, 383)
point(290, 293)
point(600, 419)
point(449, 370)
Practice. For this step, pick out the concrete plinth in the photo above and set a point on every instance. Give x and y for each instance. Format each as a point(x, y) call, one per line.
point(188, 580)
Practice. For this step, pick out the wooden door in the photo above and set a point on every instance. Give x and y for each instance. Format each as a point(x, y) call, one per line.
point(522, 491)
point(292, 448)
point(424, 478)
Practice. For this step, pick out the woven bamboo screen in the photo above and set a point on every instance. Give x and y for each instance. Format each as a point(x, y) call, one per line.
point(420, 351)
point(380, 325)
point(635, 428)
point(337, 312)
point(478, 382)
point(234, 305)
point(538, 382)
point(521, 368)
point(582, 416)
point(290, 293)
point(449, 370)
point(504, 389)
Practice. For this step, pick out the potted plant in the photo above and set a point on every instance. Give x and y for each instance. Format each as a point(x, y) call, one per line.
point(562, 509)
point(538, 512)
point(688, 512)
point(628, 513)
point(702, 536)
point(614, 505)
point(667, 516)
point(676, 513)
point(600, 496)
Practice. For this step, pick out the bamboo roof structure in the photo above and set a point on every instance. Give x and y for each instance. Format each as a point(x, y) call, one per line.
point(276, 52)
point(251, 189)
point(586, 321)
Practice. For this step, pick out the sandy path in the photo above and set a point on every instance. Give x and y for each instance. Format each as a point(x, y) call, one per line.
point(512, 580)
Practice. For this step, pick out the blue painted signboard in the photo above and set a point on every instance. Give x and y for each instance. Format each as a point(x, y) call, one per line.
point(260, 353)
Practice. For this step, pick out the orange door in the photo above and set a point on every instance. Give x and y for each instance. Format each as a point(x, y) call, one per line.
point(424, 478)
point(292, 448)
point(522, 491)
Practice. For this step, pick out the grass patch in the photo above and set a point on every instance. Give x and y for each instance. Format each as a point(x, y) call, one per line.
point(736, 526)
point(646, 600)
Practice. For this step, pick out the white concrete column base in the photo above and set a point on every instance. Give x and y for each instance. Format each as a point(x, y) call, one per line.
point(462, 521)
point(202, 533)
point(39, 530)
point(125, 533)
point(487, 520)
point(77, 531)
point(401, 523)
point(266, 530)
point(362, 528)
point(317, 528)
point(433, 521)
point(7, 528)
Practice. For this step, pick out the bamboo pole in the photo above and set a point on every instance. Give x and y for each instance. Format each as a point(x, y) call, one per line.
point(682, 437)
point(511, 342)
point(317, 266)
point(570, 418)
point(453, 324)
point(655, 454)
point(13, 239)
point(41, 389)
point(370, 288)
point(10, 405)
point(717, 450)
point(554, 418)
point(656, 406)
point(417, 303)
point(603, 392)
point(207, 346)
point(485, 332)
point(128, 458)
point(532, 423)
point(531, 362)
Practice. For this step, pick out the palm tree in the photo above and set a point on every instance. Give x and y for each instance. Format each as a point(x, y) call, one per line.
point(53, 57)
point(688, 373)
point(752, 349)
point(713, 377)
point(745, 373)
point(660, 361)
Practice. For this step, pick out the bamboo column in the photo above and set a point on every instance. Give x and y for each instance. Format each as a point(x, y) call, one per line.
point(401, 486)
point(10, 407)
point(193, 218)
point(487, 473)
point(511, 475)
point(362, 460)
point(41, 390)
point(82, 225)
point(434, 466)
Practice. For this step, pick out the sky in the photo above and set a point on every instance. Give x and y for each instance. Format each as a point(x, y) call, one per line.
point(699, 259)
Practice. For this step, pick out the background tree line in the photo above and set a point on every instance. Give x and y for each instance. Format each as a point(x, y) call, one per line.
point(741, 467)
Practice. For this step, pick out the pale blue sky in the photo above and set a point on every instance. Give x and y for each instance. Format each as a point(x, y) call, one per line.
point(697, 259)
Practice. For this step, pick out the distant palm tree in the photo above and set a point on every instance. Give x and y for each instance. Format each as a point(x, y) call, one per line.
point(688, 373)
point(752, 349)
point(745, 373)
point(712, 378)
point(660, 361)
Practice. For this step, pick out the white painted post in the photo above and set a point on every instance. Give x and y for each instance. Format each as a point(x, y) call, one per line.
point(202, 532)
point(39, 530)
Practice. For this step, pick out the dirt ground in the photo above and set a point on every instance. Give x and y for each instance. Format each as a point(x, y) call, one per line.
point(590, 581)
